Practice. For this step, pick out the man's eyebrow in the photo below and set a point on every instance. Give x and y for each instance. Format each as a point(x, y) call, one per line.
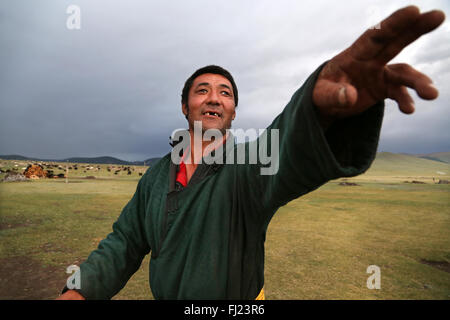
point(225, 86)
point(202, 84)
point(207, 84)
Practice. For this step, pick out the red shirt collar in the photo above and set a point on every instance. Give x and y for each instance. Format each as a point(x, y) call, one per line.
point(182, 174)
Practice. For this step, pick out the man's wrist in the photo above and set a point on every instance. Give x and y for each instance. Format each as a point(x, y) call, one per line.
point(324, 121)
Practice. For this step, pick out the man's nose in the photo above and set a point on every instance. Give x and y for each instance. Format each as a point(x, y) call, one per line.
point(213, 97)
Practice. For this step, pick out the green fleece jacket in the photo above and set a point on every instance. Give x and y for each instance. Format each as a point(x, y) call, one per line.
point(207, 239)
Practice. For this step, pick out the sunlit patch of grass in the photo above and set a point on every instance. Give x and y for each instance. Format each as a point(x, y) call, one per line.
point(318, 246)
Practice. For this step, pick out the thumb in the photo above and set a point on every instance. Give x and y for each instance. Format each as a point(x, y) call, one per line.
point(333, 98)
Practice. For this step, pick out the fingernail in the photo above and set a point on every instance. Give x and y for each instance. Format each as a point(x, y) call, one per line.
point(342, 97)
point(433, 86)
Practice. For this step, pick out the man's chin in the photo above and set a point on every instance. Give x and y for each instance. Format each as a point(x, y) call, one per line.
point(220, 128)
point(212, 125)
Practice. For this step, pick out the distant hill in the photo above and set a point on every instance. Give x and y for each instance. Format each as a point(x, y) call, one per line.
point(437, 156)
point(14, 157)
point(387, 163)
point(150, 161)
point(96, 160)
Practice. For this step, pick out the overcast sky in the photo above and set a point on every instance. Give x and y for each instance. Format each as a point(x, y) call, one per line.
point(113, 86)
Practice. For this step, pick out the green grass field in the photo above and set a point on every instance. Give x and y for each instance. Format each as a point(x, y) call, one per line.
point(318, 246)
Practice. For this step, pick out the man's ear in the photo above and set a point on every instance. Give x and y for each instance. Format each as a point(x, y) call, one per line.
point(184, 109)
point(234, 115)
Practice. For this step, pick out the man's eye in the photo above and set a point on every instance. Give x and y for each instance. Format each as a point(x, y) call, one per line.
point(201, 90)
point(226, 93)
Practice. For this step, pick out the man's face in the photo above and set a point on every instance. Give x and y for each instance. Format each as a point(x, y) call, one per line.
point(210, 101)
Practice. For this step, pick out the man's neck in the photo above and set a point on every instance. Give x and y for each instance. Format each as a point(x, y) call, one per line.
point(200, 148)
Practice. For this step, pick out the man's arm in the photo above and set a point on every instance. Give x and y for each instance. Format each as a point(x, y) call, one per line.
point(117, 258)
point(331, 126)
point(311, 152)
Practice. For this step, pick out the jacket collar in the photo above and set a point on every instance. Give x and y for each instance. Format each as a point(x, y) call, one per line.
point(204, 169)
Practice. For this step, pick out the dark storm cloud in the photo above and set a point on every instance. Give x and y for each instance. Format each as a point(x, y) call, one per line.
point(85, 92)
point(113, 87)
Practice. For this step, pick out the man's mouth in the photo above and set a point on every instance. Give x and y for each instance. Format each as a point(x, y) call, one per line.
point(212, 113)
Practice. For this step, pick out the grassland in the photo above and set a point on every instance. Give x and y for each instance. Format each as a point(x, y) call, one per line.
point(76, 170)
point(317, 247)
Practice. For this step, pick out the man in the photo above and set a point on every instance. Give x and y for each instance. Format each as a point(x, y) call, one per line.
point(205, 225)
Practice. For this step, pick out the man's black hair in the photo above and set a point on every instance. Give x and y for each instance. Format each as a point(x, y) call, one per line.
point(208, 69)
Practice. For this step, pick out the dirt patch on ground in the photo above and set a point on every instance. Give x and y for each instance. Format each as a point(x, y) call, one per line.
point(4, 225)
point(415, 182)
point(52, 247)
point(441, 265)
point(24, 278)
point(9, 225)
point(344, 183)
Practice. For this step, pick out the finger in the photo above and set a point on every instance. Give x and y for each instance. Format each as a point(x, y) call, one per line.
point(372, 42)
point(404, 75)
point(401, 95)
point(426, 23)
point(331, 97)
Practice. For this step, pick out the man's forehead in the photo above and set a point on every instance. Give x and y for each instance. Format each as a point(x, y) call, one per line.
point(211, 78)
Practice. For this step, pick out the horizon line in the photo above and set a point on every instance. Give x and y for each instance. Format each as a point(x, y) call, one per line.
point(158, 157)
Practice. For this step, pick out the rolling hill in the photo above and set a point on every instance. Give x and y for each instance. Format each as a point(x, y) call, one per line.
point(92, 160)
point(387, 163)
point(97, 160)
point(437, 156)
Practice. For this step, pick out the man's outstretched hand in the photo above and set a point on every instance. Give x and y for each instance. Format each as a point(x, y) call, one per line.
point(358, 77)
point(70, 295)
